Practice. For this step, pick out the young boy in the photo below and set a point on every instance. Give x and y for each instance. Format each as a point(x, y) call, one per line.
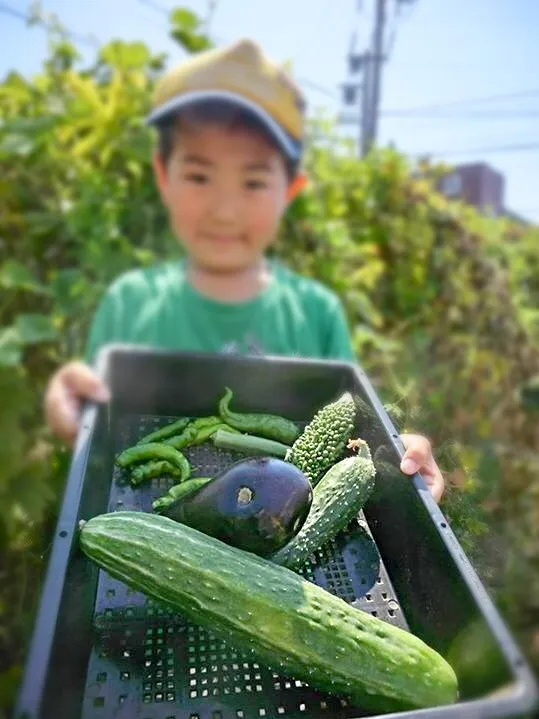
point(230, 127)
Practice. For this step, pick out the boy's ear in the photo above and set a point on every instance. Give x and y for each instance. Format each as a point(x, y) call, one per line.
point(296, 186)
point(160, 173)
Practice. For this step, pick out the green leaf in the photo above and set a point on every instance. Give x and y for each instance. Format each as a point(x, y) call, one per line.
point(184, 19)
point(15, 144)
point(190, 42)
point(10, 347)
point(34, 328)
point(9, 682)
point(16, 276)
point(185, 25)
point(126, 55)
point(64, 287)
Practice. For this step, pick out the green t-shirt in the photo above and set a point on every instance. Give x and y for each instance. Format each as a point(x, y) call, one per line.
point(157, 306)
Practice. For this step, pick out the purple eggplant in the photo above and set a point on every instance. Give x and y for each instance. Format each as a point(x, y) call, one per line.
point(257, 504)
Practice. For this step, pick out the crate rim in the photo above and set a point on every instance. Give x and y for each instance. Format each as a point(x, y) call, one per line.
point(524, 695)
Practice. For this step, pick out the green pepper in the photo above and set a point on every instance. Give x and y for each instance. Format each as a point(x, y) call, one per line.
point(207, 432)
point(196, 432)
point(178, 491)
point(265, 425)
point(167, 431)
point(155, 450)
point(248, 444)
point(152, 469)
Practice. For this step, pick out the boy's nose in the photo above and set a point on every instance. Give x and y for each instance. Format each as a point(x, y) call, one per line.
point(224, 205)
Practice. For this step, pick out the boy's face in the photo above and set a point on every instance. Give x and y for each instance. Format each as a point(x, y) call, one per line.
point(226, 191)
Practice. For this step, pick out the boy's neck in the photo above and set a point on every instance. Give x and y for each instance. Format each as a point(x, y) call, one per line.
point(237, 286)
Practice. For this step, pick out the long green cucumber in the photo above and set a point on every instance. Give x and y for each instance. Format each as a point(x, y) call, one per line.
point(337, 498)
point(288, 623)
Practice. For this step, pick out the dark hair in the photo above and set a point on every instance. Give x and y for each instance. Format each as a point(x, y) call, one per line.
point(222, 113)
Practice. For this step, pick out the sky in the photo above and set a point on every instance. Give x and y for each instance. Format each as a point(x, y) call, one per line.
point(444, 53)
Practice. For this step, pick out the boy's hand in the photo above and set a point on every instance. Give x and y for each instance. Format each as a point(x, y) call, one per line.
point(418, 458)
point(67, 388)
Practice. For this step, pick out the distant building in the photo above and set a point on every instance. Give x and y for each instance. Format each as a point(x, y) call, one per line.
point(477, 184)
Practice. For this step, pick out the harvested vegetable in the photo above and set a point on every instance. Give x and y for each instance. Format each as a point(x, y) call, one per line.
point(167, 431)
point(156, 468)
point(248, 444)
point(198, 431)
point(337, 499)
point(155, 450)
point(257, 505)
point(289, 623)
point(264, 425)
point(324, 440)
point(179, 491)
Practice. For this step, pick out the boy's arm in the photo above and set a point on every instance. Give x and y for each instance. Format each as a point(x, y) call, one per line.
point(418, 456)
point(76, 381)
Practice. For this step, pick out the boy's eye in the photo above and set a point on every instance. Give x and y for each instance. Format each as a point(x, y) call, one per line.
point(256, 184)
point(196, 177)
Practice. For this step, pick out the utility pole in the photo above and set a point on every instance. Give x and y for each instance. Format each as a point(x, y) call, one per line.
point(368, 64)
point(377, 60)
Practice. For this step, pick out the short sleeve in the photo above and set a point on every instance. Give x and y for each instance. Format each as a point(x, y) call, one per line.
point(102, 329)
point(338, 340)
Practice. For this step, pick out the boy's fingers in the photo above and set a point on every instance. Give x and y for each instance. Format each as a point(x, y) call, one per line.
point(418, 453)
point(418, 457)
point(437, 486)
point(62, 412)
point(71, 384)
point(83, 382)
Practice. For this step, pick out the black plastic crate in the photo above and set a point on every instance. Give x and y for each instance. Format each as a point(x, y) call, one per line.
point(100, 650)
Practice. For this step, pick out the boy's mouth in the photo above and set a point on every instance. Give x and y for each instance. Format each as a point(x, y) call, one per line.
point(223, 239)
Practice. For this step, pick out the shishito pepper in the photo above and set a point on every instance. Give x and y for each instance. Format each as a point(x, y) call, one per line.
point(264, 425)
point(155, 450)
point(167, 431)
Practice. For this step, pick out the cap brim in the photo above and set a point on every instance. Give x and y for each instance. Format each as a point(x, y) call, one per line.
point(292, 148)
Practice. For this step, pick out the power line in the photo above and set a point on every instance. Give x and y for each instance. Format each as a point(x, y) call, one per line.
point(522, 147)
point(13, 12)
point(156, 6)
point(467, 115)
point(318, 88)
point(469, 101)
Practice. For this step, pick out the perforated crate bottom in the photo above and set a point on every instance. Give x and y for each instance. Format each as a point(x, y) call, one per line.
point(150, 663)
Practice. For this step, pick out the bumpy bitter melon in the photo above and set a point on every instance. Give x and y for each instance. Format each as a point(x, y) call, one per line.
point(324, 439)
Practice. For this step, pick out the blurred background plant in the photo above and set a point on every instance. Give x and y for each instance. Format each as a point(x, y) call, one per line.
point(443, 304)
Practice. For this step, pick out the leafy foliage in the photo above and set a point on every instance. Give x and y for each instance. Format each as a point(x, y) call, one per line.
point(443, 305)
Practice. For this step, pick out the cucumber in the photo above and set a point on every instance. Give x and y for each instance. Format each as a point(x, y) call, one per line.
point(337, 498)
point(288, 623)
